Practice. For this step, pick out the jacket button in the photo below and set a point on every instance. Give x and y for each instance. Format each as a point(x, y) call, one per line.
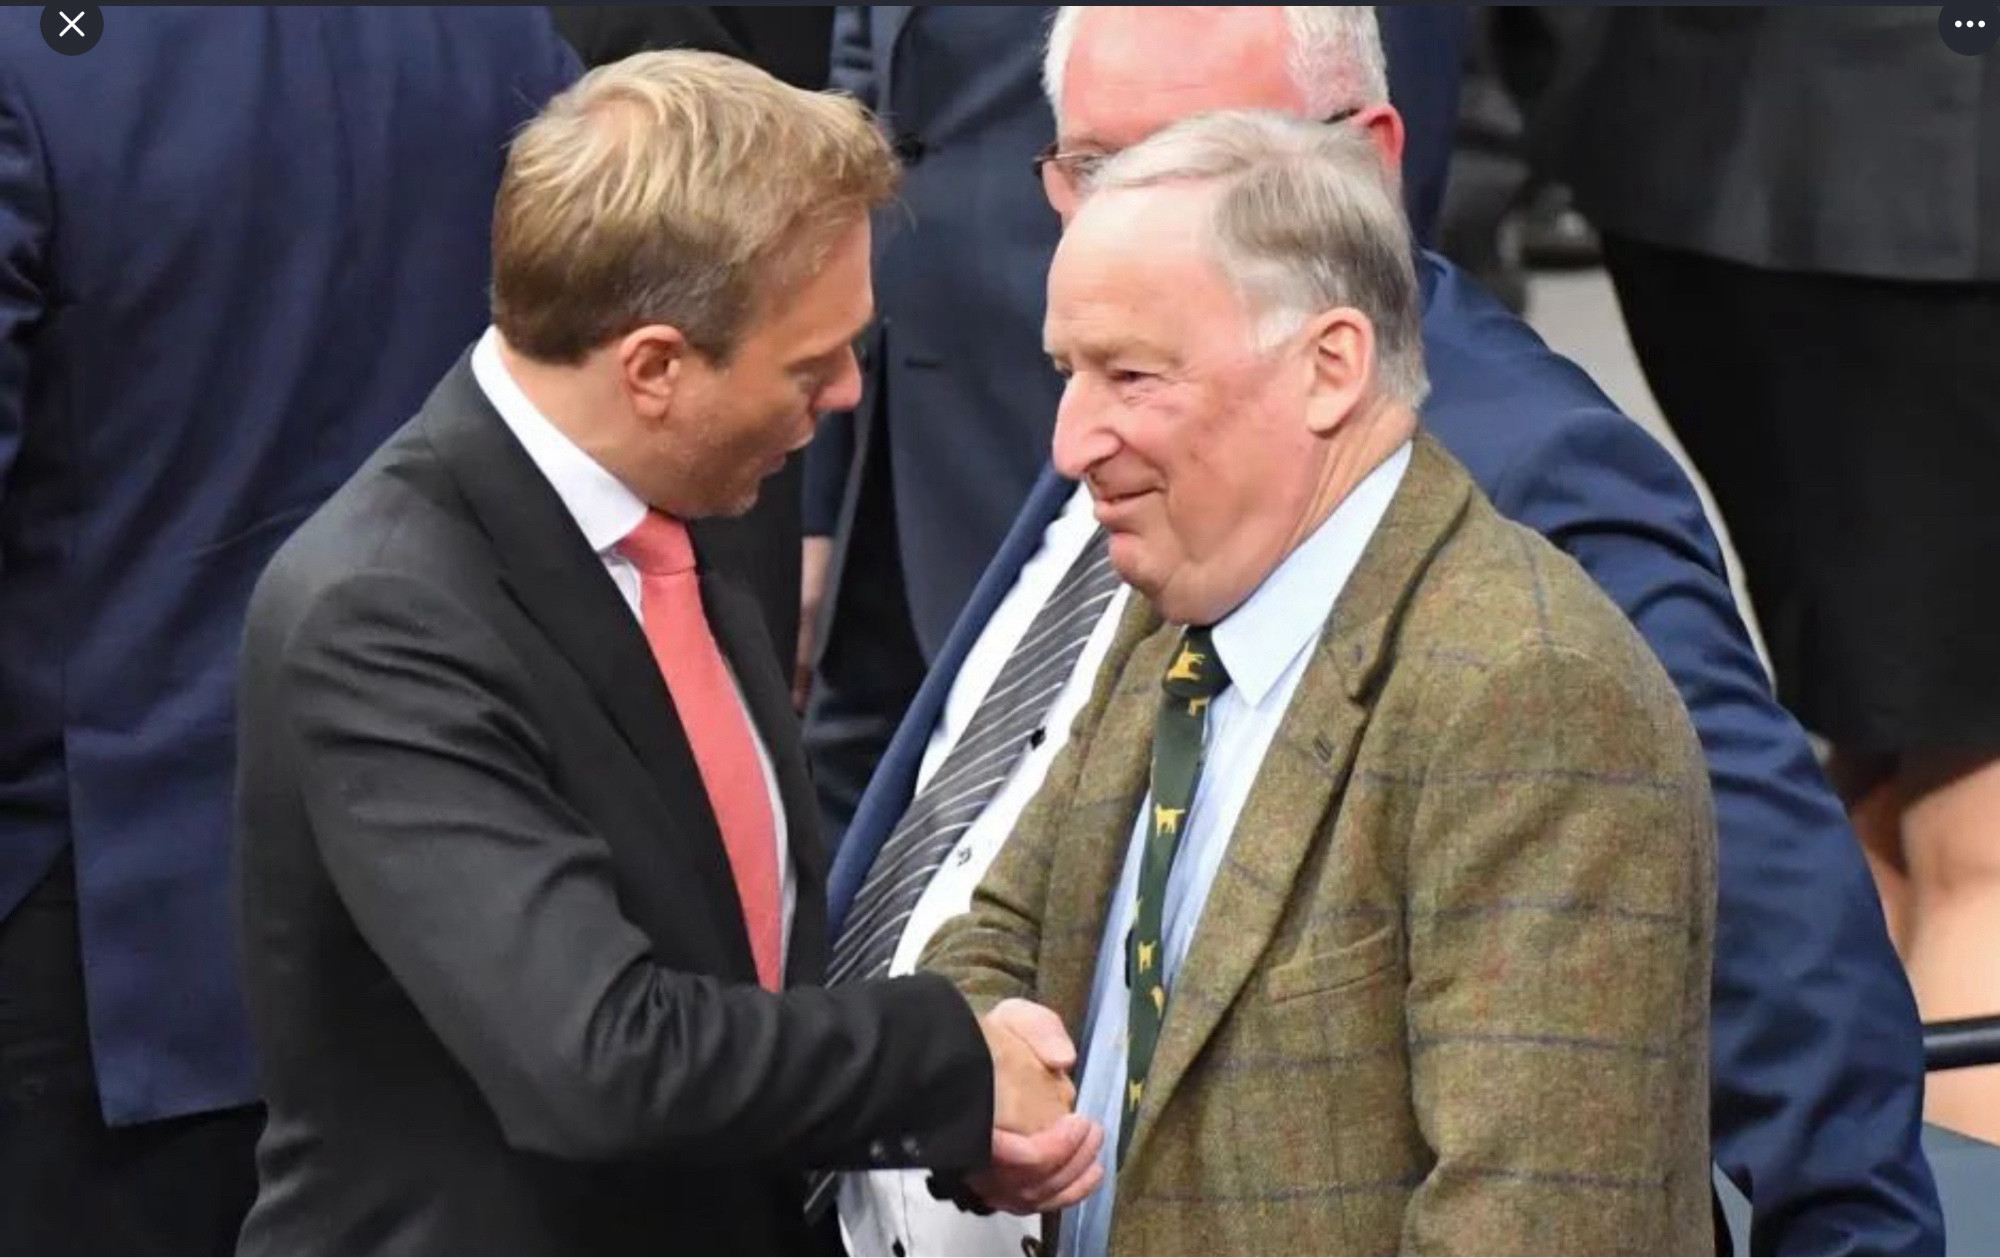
point(878, 1153)
point(910, 149)
point(912, 1149)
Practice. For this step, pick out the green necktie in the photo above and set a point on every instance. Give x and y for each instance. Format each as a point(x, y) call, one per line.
point(1191, 684)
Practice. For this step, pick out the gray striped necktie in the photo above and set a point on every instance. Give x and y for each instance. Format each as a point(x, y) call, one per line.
point(977, 766)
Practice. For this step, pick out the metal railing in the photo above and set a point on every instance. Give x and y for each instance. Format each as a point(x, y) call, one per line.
point(1966, 1042)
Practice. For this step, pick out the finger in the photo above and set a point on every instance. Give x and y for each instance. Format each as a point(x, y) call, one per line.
point(1078, 1177)
point(1041, 1029)
point(1020, 1181)
point(1032, 1159)
point(1080, 1191)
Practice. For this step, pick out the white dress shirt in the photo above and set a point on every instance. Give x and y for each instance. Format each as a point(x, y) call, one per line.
point(885, 1209)
point(606, 512)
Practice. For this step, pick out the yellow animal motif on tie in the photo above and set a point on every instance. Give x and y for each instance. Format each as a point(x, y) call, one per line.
point(1160, 1001)
point(1135, 1091)
point(1188, 666)
point(1197, 706)
point(1146, 957)
point(1167, 820)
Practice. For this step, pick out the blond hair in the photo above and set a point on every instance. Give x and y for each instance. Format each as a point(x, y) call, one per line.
point(678, 188)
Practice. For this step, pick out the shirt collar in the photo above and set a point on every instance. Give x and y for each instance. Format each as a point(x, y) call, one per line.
point(600, 503)
point(1260, 640)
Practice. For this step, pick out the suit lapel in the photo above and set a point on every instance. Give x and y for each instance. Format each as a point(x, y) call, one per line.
point(560, 583)
point(1303, 773)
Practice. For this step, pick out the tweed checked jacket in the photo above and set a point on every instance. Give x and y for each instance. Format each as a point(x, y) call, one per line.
point(1450, 990)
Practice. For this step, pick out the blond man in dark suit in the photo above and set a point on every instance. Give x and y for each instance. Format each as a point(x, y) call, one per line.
point(1377, 877)
point(531, 895)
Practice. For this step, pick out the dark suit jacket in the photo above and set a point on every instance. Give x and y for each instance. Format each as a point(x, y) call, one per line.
point(1425, 48)
point(959, 390)
point(1818, 1059)
point(237, 248)
point(791, 41)
point(503, 995)
point(1844, 139)
point(761, 548)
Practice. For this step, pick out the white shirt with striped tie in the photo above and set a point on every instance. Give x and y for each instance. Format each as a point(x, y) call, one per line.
point(892, 1212)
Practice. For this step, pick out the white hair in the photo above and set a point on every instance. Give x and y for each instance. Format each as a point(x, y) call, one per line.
point(1336, 55)
point(1304, 220)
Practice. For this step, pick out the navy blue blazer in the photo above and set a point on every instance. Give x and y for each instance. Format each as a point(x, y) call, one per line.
point(1818, 1059)
point(237, 248)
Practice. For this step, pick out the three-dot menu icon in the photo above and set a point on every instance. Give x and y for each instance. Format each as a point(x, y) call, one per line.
point(1970, 29)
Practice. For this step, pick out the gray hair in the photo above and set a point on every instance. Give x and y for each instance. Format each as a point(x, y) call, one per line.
point(1336, 55)
point(1304, 220)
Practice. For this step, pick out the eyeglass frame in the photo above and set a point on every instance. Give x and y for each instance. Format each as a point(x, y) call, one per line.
point(1070, 163)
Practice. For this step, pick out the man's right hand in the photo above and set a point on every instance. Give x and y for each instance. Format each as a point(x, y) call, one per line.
point(1044, 1156)
point(1032, 1058)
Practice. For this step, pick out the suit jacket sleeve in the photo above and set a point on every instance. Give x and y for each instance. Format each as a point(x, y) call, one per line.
point(493, 905)
point(25, 219)
point(1813, 1016)
point(1560, 892)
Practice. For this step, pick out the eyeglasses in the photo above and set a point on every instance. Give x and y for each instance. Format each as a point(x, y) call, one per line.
point(1063, 173)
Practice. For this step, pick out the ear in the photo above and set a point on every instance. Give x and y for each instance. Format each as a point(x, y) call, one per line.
point(1342, 343)
point(1384, 128)
point(651, 364)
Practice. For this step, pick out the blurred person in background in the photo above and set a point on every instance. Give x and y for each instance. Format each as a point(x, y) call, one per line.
point(1801, 212)
point(237, 246)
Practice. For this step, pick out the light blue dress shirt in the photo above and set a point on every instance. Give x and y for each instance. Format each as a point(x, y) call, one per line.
point(1264, 644)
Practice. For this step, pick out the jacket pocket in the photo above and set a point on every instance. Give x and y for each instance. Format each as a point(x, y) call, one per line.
point(1322, 972)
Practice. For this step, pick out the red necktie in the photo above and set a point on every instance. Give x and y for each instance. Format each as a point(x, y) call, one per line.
point(716, 724)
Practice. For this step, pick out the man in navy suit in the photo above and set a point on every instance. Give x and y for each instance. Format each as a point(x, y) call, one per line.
point(237, 247)
point(908, 496)
point(1817, 1066)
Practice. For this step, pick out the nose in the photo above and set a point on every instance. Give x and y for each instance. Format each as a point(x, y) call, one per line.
point(843, 392)
point(1083, 437)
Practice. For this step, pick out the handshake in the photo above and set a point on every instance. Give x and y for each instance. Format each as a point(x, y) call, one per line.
point(1044, 1154)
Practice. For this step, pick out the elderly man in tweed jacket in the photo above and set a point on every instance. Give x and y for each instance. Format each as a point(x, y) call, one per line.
point(1376, 880)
